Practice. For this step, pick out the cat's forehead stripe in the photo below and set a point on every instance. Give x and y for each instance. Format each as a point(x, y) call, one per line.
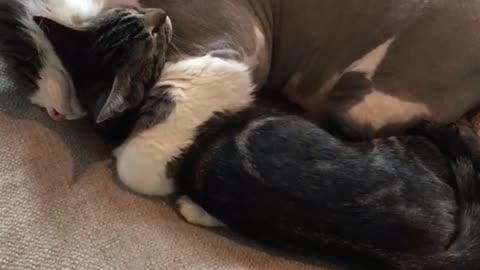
point(128, 12)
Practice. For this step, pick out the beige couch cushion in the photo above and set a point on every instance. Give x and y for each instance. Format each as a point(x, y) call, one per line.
point(60, 207)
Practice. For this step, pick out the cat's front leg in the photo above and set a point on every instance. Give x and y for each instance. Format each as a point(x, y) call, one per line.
point(188, 94)
point(142, 168)
point(142, 162)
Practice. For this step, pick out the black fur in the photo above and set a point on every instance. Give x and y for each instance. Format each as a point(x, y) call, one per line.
point(282, 180)
point(17, 48)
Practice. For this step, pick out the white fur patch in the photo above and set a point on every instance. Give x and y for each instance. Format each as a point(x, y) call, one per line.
point(195, 214)
point(378, 109)
point(201, 86)
point(369, 63)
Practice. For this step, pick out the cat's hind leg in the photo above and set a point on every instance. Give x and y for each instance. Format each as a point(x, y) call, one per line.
point(195, 214)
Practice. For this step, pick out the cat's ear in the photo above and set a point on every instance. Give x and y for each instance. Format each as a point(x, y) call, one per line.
point(133, 78)
point(125, 95)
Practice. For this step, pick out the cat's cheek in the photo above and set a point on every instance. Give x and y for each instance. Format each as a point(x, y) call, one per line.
point(56, 94)
point(141, 172)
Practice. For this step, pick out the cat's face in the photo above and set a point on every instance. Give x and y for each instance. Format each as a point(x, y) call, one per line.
point(114, 59)
point(130, 47)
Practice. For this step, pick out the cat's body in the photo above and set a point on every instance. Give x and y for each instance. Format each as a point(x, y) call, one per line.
point(282, 180)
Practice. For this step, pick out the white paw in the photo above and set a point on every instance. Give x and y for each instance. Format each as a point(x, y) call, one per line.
point(195, 214)
point(141, 172)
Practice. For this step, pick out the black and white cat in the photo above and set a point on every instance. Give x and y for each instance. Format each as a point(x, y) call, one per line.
point(410, 202)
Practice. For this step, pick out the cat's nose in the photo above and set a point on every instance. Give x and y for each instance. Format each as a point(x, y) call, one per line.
point(155, 16)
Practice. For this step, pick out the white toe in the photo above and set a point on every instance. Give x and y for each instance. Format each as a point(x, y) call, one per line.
point(195, 214)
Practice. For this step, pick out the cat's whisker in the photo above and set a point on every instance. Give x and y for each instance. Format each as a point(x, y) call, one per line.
point(176, 49)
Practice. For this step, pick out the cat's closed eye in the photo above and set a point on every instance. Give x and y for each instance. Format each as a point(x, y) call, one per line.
point(114, 59)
